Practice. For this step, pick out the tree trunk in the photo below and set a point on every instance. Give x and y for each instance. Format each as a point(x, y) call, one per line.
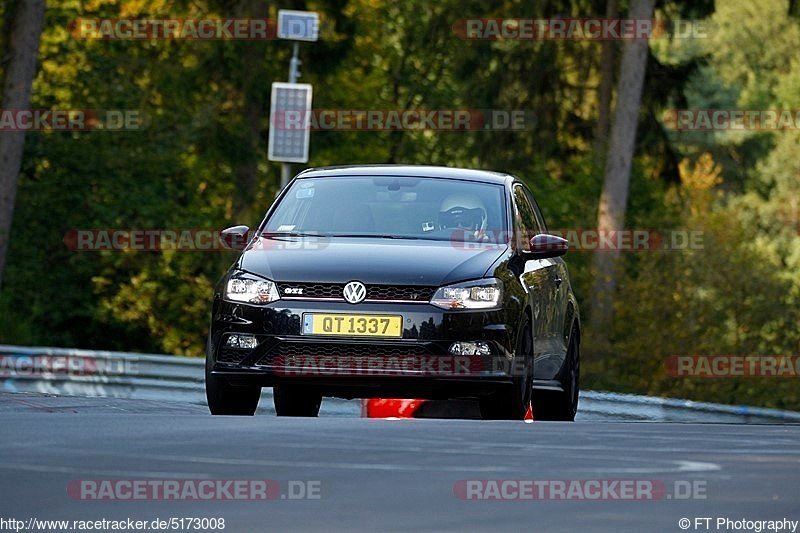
point(616, 180)
point(605, 91)
point(253, 109)
point(23, 47)
point(9, 10)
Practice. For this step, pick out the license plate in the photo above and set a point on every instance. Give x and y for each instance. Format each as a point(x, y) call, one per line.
point(352, 325)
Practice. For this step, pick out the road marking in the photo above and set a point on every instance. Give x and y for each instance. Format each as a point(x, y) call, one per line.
point(50, 469)
point(697, 466)
point(682, 467)
point(313, 464)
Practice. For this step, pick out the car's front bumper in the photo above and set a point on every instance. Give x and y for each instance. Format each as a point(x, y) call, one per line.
point(418, 364)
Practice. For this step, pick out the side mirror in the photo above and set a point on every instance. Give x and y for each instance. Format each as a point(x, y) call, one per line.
point(235, 237)
point(545, 245)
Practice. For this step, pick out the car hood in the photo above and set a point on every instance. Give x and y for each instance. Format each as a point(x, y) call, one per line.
point(339, 260)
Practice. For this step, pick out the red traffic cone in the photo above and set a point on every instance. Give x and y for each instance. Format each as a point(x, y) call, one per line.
point(390, 408)
point(529, 414)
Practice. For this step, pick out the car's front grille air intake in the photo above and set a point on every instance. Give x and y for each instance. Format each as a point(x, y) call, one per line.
point(403, 293)
point(286, 350)
point(231, 355)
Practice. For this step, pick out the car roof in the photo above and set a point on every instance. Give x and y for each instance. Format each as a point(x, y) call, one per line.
point(422, 171)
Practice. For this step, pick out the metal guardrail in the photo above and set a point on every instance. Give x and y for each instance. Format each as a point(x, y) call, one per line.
point(100, 373)
point(90, 373)
point(635, 407)
point(74, 372)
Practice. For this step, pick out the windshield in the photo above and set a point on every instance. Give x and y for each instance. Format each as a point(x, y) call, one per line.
point(392, 207)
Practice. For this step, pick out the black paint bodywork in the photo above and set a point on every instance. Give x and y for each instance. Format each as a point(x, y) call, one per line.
point(538, 287)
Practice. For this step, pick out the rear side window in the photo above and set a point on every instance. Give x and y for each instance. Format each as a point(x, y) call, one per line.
point(526, 221)
point(541, 226)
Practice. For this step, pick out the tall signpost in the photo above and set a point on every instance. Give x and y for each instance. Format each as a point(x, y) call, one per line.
point(290, 104)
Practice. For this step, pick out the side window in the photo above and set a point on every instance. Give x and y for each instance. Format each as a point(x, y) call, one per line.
point(526, 222)
point(541, 227)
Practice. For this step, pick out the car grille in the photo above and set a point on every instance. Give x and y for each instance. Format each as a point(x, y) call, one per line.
point(407, 293)
point(231, 355)
point(318, 349)
point(402, 292)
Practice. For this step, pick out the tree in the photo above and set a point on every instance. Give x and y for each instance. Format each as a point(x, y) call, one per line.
point(606, 88)
point(23, 43)
point(255, 94)
point(616, 179)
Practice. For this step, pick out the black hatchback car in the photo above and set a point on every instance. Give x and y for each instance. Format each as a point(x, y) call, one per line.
point(397, 281)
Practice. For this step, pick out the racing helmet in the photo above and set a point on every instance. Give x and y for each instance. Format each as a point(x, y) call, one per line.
point(464, 212)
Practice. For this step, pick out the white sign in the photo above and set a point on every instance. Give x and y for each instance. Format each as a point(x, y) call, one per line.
point(289, 122)
point(298, 25)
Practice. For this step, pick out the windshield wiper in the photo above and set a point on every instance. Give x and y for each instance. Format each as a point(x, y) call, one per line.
point(290, 234)
point(373, 236)
point(346, 235)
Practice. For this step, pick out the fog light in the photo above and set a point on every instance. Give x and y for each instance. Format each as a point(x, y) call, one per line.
point(247, 342)
point(470, 348)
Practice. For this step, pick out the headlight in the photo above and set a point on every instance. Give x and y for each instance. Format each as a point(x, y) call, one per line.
point(479, 294)
point(250, 289)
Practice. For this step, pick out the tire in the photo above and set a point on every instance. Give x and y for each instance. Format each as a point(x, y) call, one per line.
point(226, 399)
point(562, 405)
point(511, 403)
point(292, 400)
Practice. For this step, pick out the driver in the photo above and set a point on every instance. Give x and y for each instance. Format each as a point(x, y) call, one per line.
point(464, 212)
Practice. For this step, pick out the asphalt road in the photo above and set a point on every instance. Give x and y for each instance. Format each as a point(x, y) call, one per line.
point(388, 474)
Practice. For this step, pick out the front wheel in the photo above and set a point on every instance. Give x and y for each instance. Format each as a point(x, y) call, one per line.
point(562, 405)
point(512, 403)
point(226, 399)
point(292, 400)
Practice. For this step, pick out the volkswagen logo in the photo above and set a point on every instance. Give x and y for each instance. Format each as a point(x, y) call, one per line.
point(354, 292)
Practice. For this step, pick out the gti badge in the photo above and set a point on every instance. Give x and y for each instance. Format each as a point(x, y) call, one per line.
point(354, 292)
point(293, 290)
